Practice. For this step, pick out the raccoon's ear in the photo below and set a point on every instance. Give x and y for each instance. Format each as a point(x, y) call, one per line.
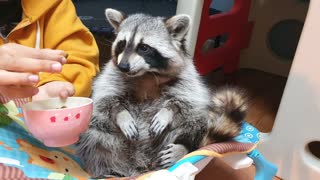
point(114, 17)
point(178, 26)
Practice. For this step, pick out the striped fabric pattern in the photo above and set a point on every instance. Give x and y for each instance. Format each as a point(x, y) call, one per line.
point(11, 173)
point(222, 149)
point(227, 147)
point(219, 150)
point(19, 102)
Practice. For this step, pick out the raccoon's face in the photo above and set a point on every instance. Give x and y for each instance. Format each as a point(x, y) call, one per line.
point(148, 44)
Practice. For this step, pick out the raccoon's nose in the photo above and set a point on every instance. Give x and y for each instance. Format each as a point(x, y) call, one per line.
point(124, 67)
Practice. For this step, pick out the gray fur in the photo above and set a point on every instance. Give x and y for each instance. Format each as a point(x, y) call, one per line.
point(127, 137)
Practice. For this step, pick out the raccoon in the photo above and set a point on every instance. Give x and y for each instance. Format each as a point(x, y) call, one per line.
point(150, 105)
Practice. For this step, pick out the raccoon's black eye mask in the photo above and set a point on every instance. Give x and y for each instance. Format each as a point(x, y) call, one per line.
point(152, 56)
point(120, 47)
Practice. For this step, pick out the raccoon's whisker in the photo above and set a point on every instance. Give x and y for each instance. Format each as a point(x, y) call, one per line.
point(156, 78)
point(145, 95)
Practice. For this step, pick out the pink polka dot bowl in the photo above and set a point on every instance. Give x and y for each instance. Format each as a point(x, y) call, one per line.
point(57, 122)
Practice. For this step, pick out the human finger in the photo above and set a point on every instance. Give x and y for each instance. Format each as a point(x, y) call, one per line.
point(49, 54)
point(17, 50)
point(64, 94)
point(14, 78)
point(67, 91)
point(18, 91)
point(22, 64)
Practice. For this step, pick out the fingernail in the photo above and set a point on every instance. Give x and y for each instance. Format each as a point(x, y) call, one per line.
point(64, 54)
point(35, 91)
point(64, 94)
point(56, 67)
point(63, 60)
point(33, 78)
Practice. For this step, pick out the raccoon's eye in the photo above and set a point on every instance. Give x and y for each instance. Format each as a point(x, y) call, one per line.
point(144, 48)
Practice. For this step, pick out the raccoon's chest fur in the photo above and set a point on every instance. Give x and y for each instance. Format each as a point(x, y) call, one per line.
point(143, 150)
point(146, 88)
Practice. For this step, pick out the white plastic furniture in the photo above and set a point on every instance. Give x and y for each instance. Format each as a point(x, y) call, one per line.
point(194, 9)
point(298, 119)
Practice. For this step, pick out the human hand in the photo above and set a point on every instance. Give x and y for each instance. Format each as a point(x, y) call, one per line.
point(55, 89)
point(20, 65)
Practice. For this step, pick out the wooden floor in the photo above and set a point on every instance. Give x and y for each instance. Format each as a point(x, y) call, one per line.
point(265, 92)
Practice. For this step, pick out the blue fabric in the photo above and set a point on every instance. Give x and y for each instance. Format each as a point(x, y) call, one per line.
point(248, 134)
point(11, 150)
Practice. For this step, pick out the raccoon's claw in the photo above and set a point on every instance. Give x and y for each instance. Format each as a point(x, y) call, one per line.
point(156, 129)
point(127, 125)
point(160, 121)
point(171, 154)
point(131, 133)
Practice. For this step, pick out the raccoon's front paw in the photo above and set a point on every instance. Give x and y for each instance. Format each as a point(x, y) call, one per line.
point(127, 125)
point(160, 121)
point(171, 154)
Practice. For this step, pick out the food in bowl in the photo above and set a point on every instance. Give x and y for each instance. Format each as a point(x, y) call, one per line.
point(58, 122)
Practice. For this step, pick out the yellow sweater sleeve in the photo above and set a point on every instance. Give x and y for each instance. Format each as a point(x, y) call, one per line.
point(63, 30)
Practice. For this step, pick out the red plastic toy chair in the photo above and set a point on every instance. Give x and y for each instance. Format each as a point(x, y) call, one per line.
point(233, 23)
